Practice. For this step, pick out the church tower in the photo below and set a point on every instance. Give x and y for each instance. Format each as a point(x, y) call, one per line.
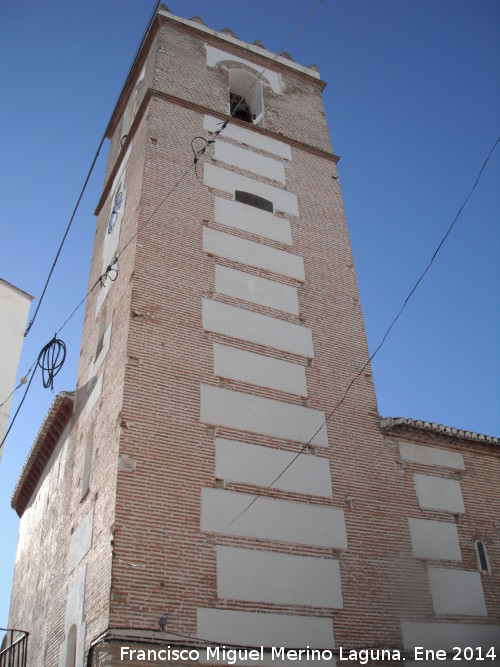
point(219, 483)
point(232, 327)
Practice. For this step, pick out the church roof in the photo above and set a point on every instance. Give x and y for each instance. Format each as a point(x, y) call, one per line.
point(388, 423)
point(48, 436)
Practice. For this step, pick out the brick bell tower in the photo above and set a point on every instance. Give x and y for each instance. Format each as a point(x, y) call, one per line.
point(226, 333)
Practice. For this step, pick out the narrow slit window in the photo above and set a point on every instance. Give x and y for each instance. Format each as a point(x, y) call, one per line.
point(253, 200)
point(87, 464)
point(482, 557)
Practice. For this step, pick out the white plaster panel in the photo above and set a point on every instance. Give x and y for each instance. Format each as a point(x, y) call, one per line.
point(431, 456)
point(94, 395)
point(438, 635)
point(75, 599)
point(96, 365)
point(74, 616)
point(456, 591)
point(272, 519)
point(253, 464)
point(260, 629)
point(253, 220)
point(235, 364)
point(435, 540)
point(81, 540)
point(257, 290)
point(256, 328)
point(250, 161)
point(215, 56)
point(246, 412)
point(253, 254)
point(248, 136)
point(229, 181)
point(439, 493)
point(265, 576)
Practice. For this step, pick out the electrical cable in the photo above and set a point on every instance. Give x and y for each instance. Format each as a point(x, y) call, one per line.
point(344, 396)
point(50, 360)
point(89, 173)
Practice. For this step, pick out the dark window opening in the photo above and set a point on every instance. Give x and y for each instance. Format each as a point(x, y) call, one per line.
point(253, 200)
point(240, 108)
point(482, 557)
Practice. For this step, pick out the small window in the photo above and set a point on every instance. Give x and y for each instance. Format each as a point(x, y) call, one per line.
point(482, 557)
point(253, 200)
point(87, 464)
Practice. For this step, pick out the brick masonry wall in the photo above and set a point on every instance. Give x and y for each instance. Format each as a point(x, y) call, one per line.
point(166, 565)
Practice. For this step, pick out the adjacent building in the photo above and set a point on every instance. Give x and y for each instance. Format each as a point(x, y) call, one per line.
point(14, 309)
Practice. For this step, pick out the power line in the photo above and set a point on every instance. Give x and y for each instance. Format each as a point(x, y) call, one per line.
point(346, 392)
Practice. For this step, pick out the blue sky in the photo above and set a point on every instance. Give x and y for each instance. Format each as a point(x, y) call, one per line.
point(413, 106)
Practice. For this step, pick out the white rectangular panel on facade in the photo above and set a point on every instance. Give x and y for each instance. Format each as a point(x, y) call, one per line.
point(265, 576)
point(272, 519)
point(249, 161)
point(260, 629)
point(252, 220)
point(229, 181)
point(94, 395)
point(250, 137)
point(432, 456)
point(445, 636)
point(439, 493)
point(254, 289)
point(255, 414)
point(97, 363)
point(456, 592)
point(256, 328)
point(81, 540)
point(434, 540)
point(257, 369)
point(254, 464)
point(252, 253)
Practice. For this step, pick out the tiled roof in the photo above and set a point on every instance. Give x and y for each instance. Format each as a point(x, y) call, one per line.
point(391, 422)
point(52, 428)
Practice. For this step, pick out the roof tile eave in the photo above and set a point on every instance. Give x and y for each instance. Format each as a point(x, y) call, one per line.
point(388, 423)
point(52, 428)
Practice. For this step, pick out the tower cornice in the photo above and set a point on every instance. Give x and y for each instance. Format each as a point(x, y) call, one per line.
point(258, 55)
